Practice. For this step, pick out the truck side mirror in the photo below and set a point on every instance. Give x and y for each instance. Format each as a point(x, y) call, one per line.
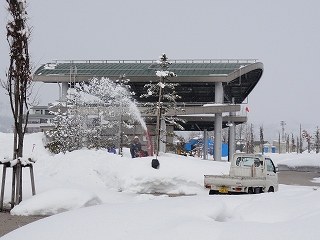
point(276, 169)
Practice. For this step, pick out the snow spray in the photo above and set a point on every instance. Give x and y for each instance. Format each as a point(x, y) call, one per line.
point(137, 115)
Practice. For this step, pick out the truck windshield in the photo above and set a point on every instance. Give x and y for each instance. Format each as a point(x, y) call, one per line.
point(247, 161)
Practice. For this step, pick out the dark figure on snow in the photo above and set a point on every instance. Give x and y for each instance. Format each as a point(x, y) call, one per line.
point(135, 147)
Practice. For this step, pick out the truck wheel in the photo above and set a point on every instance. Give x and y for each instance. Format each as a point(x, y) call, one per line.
point(254, 190)
point(271, 189)
point(257, 190)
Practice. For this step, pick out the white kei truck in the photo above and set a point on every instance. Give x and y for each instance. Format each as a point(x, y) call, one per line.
point(249, 173)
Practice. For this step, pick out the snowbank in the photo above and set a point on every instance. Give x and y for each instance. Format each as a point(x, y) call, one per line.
point(93, 194)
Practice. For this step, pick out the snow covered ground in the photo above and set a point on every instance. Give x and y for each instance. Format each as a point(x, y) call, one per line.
point(92, 194)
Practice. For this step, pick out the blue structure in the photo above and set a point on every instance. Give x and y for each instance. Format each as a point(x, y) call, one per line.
point(224, 150)
point(194, 142)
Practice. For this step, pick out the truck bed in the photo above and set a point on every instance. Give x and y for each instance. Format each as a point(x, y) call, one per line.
point(233, 181)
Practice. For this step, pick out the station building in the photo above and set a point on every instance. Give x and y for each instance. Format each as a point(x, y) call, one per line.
point(211, 90)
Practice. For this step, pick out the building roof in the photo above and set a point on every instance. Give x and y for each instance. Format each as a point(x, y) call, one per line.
point(196, 78)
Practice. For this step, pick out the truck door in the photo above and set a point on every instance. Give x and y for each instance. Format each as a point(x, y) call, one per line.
point(272, 174)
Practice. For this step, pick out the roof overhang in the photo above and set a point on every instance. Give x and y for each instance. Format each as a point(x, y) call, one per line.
point(196, 79)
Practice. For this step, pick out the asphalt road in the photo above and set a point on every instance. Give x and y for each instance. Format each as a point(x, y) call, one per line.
point(298, 178)
point(9, 223)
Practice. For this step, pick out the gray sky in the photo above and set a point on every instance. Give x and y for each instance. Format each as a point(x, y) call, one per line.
point(284, 35)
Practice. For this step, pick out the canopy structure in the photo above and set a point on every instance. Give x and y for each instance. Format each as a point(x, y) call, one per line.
point(196, 78)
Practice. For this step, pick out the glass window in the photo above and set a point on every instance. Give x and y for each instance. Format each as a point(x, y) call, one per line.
point(43, 120)
point(270, 166)
point(247, 161)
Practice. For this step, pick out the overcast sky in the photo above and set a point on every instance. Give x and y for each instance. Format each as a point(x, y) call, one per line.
point(283, 35)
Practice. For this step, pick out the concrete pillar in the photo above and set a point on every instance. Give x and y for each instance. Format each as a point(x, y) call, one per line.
point(205, 144)
point(162, 144)
point(64, 92)
point(231, 139)
point(218, 123)
point(232, 135)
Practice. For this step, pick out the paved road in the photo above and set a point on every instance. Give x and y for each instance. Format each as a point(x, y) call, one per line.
point(298, 178)
point(9, 223)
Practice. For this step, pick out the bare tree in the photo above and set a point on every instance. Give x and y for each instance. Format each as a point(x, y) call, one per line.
point(308, 138)
point(18, 84)
point(250, 139)
point(225, 135)
point(293, 144)
point(317, 140)
point(287, 143)
point(279, 143)
point(261, 139)
point(300, 142)
point(240, 136)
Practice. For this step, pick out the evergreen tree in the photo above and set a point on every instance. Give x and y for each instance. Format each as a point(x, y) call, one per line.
point(59, 135)
point(166, 95)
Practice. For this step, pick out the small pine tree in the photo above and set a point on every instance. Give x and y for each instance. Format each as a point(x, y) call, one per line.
point(165, 93)
point(59, 135)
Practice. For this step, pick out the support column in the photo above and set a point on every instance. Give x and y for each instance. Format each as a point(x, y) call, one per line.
point(218, 123)
point(232, 135)
point(205, 144)
point(64, 92)
point(231, 139)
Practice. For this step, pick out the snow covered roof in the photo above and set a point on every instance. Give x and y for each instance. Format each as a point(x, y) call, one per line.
point(196, 78)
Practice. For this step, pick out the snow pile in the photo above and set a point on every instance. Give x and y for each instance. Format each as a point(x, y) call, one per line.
point(296, 160)
point(99, 195)
point(43, 204)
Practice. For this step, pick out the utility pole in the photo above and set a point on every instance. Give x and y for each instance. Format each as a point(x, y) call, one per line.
point(282, 123)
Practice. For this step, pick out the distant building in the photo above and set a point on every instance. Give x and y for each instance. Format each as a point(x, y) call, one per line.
point(267, 147)
point(280, 147)
point(39, 119)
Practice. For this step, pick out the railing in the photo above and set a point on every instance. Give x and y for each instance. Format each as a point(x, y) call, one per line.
point(155, 61)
